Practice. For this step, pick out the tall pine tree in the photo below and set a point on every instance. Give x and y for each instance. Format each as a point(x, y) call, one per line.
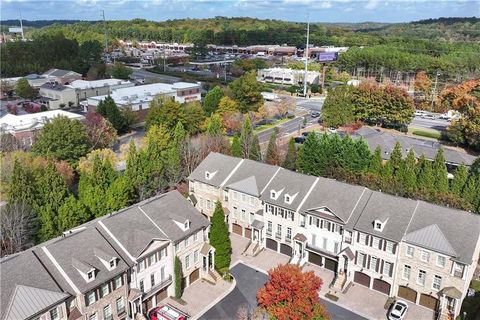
point(440, 173)
point(272, 155)
point(219, 239)
point(459, 180)
point(376, 163)
point(255, 151)
point(407, 175)
point(246, 138)
point(291, 156)
point(236, 147)
point(425, 179)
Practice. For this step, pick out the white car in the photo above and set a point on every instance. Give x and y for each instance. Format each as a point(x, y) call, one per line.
point(332, 130)
point(428, 116)
point(398, 310)
point(419, 113)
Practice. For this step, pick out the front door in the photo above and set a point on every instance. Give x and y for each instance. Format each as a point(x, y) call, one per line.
point(256, 236)
point(205, 263)
point(299, 250)
point(345, 264)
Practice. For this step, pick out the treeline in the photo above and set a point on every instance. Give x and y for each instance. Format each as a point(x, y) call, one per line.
point(48, 51)
point(351, 161)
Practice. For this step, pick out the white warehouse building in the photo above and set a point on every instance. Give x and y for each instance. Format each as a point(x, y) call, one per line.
point(287, 76)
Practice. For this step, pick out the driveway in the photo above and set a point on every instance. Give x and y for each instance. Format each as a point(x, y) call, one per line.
point(249, 280)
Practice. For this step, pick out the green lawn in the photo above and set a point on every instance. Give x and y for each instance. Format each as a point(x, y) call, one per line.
point(472, 305)
point(435, 134)
point(270, 125)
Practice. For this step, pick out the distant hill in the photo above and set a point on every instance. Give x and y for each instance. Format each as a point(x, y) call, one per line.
point(37, 23)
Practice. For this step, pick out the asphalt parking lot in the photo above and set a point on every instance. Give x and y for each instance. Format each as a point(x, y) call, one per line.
point(249, 280)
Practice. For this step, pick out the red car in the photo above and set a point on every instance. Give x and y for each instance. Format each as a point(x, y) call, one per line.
point(167, 312)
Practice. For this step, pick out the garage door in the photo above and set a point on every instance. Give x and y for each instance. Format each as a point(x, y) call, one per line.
point(286, 249)
point(315, 258)
point(361, 278)
point(330, 265)
point(161, 295)
point(428, 301)
point(272, 244)
point(407, 294)
point(382, 286)
point(248, 233)
point(194, 276)
point(237, 229)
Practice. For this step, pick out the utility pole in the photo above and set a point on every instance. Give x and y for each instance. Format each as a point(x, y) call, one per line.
point(105, 31)
point(164, 59)
point(434, 93)
point(306, 58)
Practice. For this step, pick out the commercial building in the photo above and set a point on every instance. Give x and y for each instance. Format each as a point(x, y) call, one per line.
point(138, 98)
point(287, 76)
point(25, 127)
point(85, 89)
point(115, 267)
point(57, 96)
point(396, 246)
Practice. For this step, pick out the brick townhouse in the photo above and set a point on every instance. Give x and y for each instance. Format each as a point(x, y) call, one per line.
point(400, 247)
point(114, 267)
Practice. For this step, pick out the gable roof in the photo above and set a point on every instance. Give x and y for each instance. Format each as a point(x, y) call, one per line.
point(247, 185)
point(461, 229)
point(215, 162)
point(28, 301)
point(431, 237)
point(261, 172)
point(26, 287)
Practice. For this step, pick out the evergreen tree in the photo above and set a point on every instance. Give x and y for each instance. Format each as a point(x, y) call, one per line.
point(177, 270)
point(425, 180)
point(72, 213)
point(312, 159)
point(21, 188)
point(363, 156)
point(109, 110)
point(272, 155)
point(470, 190)
point(333, 148)
point(376, 163)
point(51, 191)
point(215, 125)
point(118, 195)
point(440, 173)
point(246, 138)
point(396, 158)
point(407, 174)
point(236, 147)
point(132, 169)
point(348, 156)
point(219, 239)
point(212, 100)
point(255, 152)
point(459, 180)
point(291, 156)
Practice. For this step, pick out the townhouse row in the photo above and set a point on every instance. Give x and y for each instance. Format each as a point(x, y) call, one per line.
point(411, 249)
point(115, 267)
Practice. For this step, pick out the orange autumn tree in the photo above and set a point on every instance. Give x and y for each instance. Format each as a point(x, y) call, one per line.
point(291, 294)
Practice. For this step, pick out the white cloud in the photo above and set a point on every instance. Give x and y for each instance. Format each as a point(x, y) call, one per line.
point(371, 4)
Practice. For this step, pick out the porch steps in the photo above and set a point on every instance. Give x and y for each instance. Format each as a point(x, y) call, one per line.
point(295, 259)
point(339, 282)
point(214, 275)
point(251, 250)
point(445, 315)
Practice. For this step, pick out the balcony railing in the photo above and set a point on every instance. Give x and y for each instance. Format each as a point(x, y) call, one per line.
point(269, 232)
point(288, 240)
point(458, 273)
point(278, 236)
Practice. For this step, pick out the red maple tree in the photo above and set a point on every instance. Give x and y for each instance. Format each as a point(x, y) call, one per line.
point(291, 294)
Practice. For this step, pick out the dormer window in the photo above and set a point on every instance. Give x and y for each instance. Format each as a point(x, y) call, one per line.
point(207, 175)
point(113, 263)
point(273, 194)
point(186, 225)
point(287, 198)
point(378, 225)
point(91, 275)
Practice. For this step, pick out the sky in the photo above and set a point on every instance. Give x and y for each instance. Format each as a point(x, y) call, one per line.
point(291, 10)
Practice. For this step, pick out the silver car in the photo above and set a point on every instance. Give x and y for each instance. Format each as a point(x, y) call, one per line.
point(398, 310)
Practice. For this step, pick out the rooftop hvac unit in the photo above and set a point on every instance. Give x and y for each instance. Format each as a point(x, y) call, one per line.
point(119, 82)
point(105, 84)
point(148, 94)
point(125, 98)
point(134, 96)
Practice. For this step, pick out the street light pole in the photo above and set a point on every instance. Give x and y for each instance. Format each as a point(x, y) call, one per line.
point(306, 58)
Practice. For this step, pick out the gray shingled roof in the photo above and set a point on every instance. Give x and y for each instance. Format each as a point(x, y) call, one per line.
point(170, 207)
point(431, 237)
point(382, 206)
point(461, 229)
point(83, 257)
point(26, 287)
point(340, 198)
point(247, 185)
point(260, 171)
point(291, 183)
point(215, 162)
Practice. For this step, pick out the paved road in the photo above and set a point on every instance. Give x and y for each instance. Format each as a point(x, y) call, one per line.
point(249, 281)
point(437, 124)
point(285, 128)
point(310, 104)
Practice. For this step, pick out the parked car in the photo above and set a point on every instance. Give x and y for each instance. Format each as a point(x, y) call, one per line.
point(315, 114)
point(398, 310)
point(428, 116)
point(419, 113)
point(167, 312)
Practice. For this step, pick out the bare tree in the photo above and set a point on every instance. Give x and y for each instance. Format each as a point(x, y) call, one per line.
point(18, 226)
point(198, 148)
point(8, 142)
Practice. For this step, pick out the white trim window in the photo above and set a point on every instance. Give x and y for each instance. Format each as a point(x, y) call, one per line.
point(389, 247)
point(407, 270)
point(437, 282)
point(422, 274)
point(54, 314)
point(187, 262)
point(92, 317)
point(441, 261)
point(410, 251)
point(141, 265)
point(373, 263)
point(363, 238)
point(195, 256)
point(425, 256)
point(361, 258)
point(387, 268)
point(376, 243)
